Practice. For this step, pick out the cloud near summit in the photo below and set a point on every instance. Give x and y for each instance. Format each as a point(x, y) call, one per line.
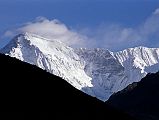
point(112, 36)
point(52, 29)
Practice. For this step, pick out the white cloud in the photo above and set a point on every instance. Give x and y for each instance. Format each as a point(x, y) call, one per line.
point(113, 37)
point(52, 29)
point(117, 37)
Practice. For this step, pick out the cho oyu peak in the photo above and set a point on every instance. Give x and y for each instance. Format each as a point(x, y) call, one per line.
point(97, 72)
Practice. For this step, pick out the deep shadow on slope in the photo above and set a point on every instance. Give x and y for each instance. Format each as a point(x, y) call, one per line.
point(140, 99)
point(25, 87)
point(12, 115)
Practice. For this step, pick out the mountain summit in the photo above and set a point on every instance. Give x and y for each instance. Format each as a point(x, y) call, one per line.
point(97, 72)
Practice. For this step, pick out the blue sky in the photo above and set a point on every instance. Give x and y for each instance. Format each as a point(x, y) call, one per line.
point(86, 17)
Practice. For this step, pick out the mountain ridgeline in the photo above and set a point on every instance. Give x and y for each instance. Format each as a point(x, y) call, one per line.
point(25, 87)
point(97, 72)
point(39, 74)
point(139, 99)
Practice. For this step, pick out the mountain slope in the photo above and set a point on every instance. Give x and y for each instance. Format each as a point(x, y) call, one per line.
point(138, 62)
point(113, 71)
point(139, 99)
point(50, 55)
point(97, 72)
point(25, 87)
point(106, 72)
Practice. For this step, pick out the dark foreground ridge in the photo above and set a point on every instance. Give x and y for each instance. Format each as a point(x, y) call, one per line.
point(28, 89)
point(140, 99)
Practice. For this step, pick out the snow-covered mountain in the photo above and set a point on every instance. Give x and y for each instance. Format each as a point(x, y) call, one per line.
point(111, 72)
point(97, 72)
point(51, 55)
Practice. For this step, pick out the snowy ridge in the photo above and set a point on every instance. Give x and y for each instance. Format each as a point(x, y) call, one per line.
point(139, 57)
point(51, 55)
point(138, 61)
point(97, 72)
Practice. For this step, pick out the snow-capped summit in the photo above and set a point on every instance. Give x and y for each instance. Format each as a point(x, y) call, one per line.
point(97, 72)
point(51, 55)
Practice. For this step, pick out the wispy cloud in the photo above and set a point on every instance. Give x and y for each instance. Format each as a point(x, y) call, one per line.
point(113, 37)
point(117, 37)
point(52, 29)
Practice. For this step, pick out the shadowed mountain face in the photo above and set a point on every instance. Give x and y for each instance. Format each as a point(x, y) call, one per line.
point(25, 87)
point(139, 99)
point(23, 115)
point(12, 115)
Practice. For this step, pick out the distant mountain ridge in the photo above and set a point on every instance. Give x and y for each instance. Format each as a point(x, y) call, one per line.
point(97, 72)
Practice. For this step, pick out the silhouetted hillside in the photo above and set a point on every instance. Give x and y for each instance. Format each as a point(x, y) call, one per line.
point(27, 88)
point(140, 99)
point(12, 115)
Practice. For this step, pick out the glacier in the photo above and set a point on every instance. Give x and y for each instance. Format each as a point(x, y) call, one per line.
point(97, 72)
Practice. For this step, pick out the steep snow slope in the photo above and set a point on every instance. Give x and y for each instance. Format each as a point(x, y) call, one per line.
point(51, 55)
point(106, 72)
point(97, 72)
